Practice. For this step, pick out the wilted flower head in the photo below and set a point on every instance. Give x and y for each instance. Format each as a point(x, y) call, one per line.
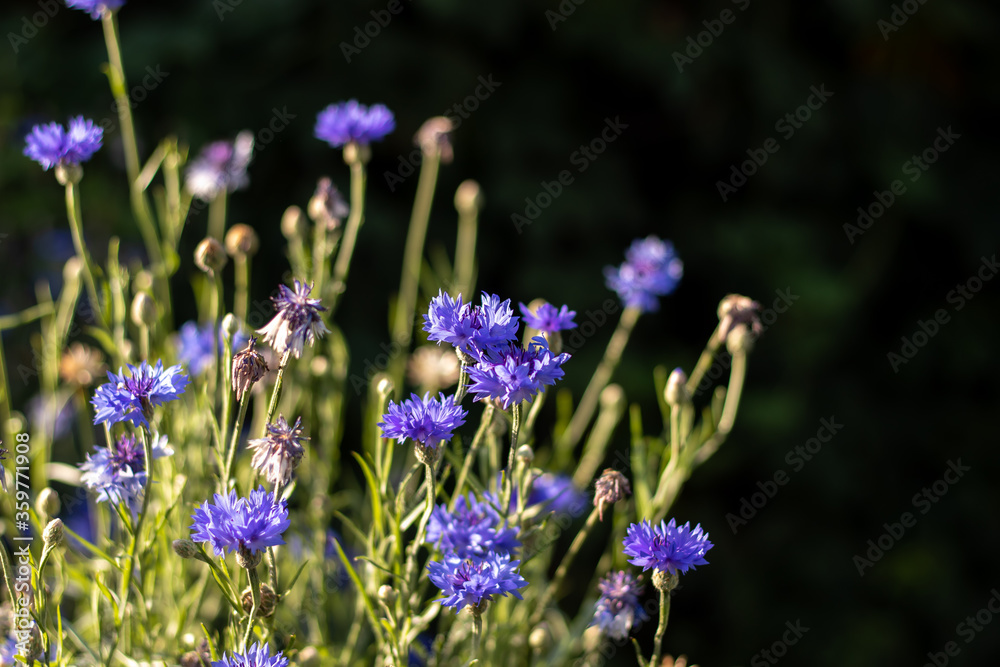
point(610, 487)
point(666, 547)
point(425, 420)
point(736, 310)
point(470, 328)
point(257, 655)
point(81, 364)
point(236, 524)
point(220, 167)
point(472, 582)
point(120, 475)
point(278, 453)
point(327, 206)
point(513, 374)
point(196, 346)
point(433, 367)
point(297, 322)
point(248, 368)
point(548, 318)
point(434, 137)
point(50, 145)
point(473, 529)
point(133, 398)
point(346, 122)
point(651, 270)
point(618, 609)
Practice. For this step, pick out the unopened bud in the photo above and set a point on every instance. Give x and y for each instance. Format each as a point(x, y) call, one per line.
point(740, 340)
point(540, 638)
point(268, 601)
point(387, 595)
point(293, 223)
point(525, 454)
point(242, 241)
point(468, 197)
point(52, 536)
point(676, 393)
point(185, 548)
point(209, 256)
point(612, 396)
point(665, 580)
point(426, 454)
point(384, 387)
point(143, 310)
point(355, 152)
point(433, 137)
point(247, 559)
point(68, 173)
point(230, 325)
point(72, 269)
point(47, 502)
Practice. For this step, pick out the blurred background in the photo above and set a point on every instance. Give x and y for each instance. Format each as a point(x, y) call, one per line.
point(839, 97)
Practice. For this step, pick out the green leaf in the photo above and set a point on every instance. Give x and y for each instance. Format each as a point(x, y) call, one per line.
point(373, 491)
point(352, 573)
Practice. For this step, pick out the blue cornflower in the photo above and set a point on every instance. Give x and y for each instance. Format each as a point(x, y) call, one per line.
point(473, 582)
point(666, 547)
point(342, 123)
point(220, 167)
point(133, 398)
point(95, 7)
point(256, 656)
point(472, 530)
point(548, 318)
point(618, 610)
point(8, 652)
point(120, 476)
point(196, 346)
point(297, 322)
point(50, 145)
point(235, 524)
point(514, 374)
point(651, 270)
point(469, 328)
point(557, 493)
point(426, 420)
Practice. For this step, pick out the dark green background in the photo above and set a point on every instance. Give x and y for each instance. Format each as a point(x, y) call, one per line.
point(783, 229)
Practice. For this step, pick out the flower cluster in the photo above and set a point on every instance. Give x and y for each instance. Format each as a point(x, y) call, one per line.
point(470, 329)
point(618, 609)
point(120, 475)
point(472, 530)
point(133, 398)
point(651, 270)
point(347, 122)
point(297, 322)
point(428, 421)
point(472, 582)
point(513, 374)
point(197, 346)
point(220, 167)
point(666, 547)
point(234, 524)
point(50, 145)
point(547, 318)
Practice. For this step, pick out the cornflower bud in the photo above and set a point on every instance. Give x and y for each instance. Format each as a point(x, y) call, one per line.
point(47, 502)
point(143, 310)
point(293, 223)
point(210, 256)
point(53, 534)
point(242, 241)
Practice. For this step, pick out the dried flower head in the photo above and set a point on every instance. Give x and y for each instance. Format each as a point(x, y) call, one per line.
point(434, 136)
point(248, 368)
point(610, 487)
point(736, 310)
point(297, 322)
point(327, 206)
point(220, 167)
point(278, 453)
point(81, 364)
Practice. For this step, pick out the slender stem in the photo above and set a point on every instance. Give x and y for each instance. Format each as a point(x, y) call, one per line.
point(242, 299)
point(465, 251)
point(217, 216)
point(737, 376)
point(661, 629)
point(484, 425)
point(237, 428)
point(704, 362)
point(276, 394)
point(612, 355)
point(463, 380)
point(574, 549)
point(411, 561)
point(477, 632)
point(225, 370)
point(255, 594)
point(5, 434)
point(508, 486)
point(528, 430)
point(320, 255)
point(76, 230)
point(675, 439)
point(354, 222)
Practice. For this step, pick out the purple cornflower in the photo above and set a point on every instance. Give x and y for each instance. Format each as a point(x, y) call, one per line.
point(278, 453)
point(50, 145)
point(234, 524)
point(556, 493)
point(298, 320)
point(618, 610)
point(120, 476)
point(342, 123)
point(666, 547)
point(469, 328)
point(196, 346)
point(548, 318)
point(472, 530)
point(651, 270)
point(256, 656)
point(220, 167)
point(133, 398)
point(426, 420)
point(95, 7)
point(514, 374)
point(472, 582)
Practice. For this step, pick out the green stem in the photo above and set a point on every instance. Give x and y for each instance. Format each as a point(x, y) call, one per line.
point(255, 594)
point(354, 222)
point(704, 362)
point(237, 429)
point(661, 629)
point(276, 393)
point(217, 217)
point(477, 633)
point(465, 251)
point(508, 485)
point(563, 568)
point(411, 561)
point(76, 230)
point(484, 425)
point(242, 279)
point(612, 355)
point(6, 433)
